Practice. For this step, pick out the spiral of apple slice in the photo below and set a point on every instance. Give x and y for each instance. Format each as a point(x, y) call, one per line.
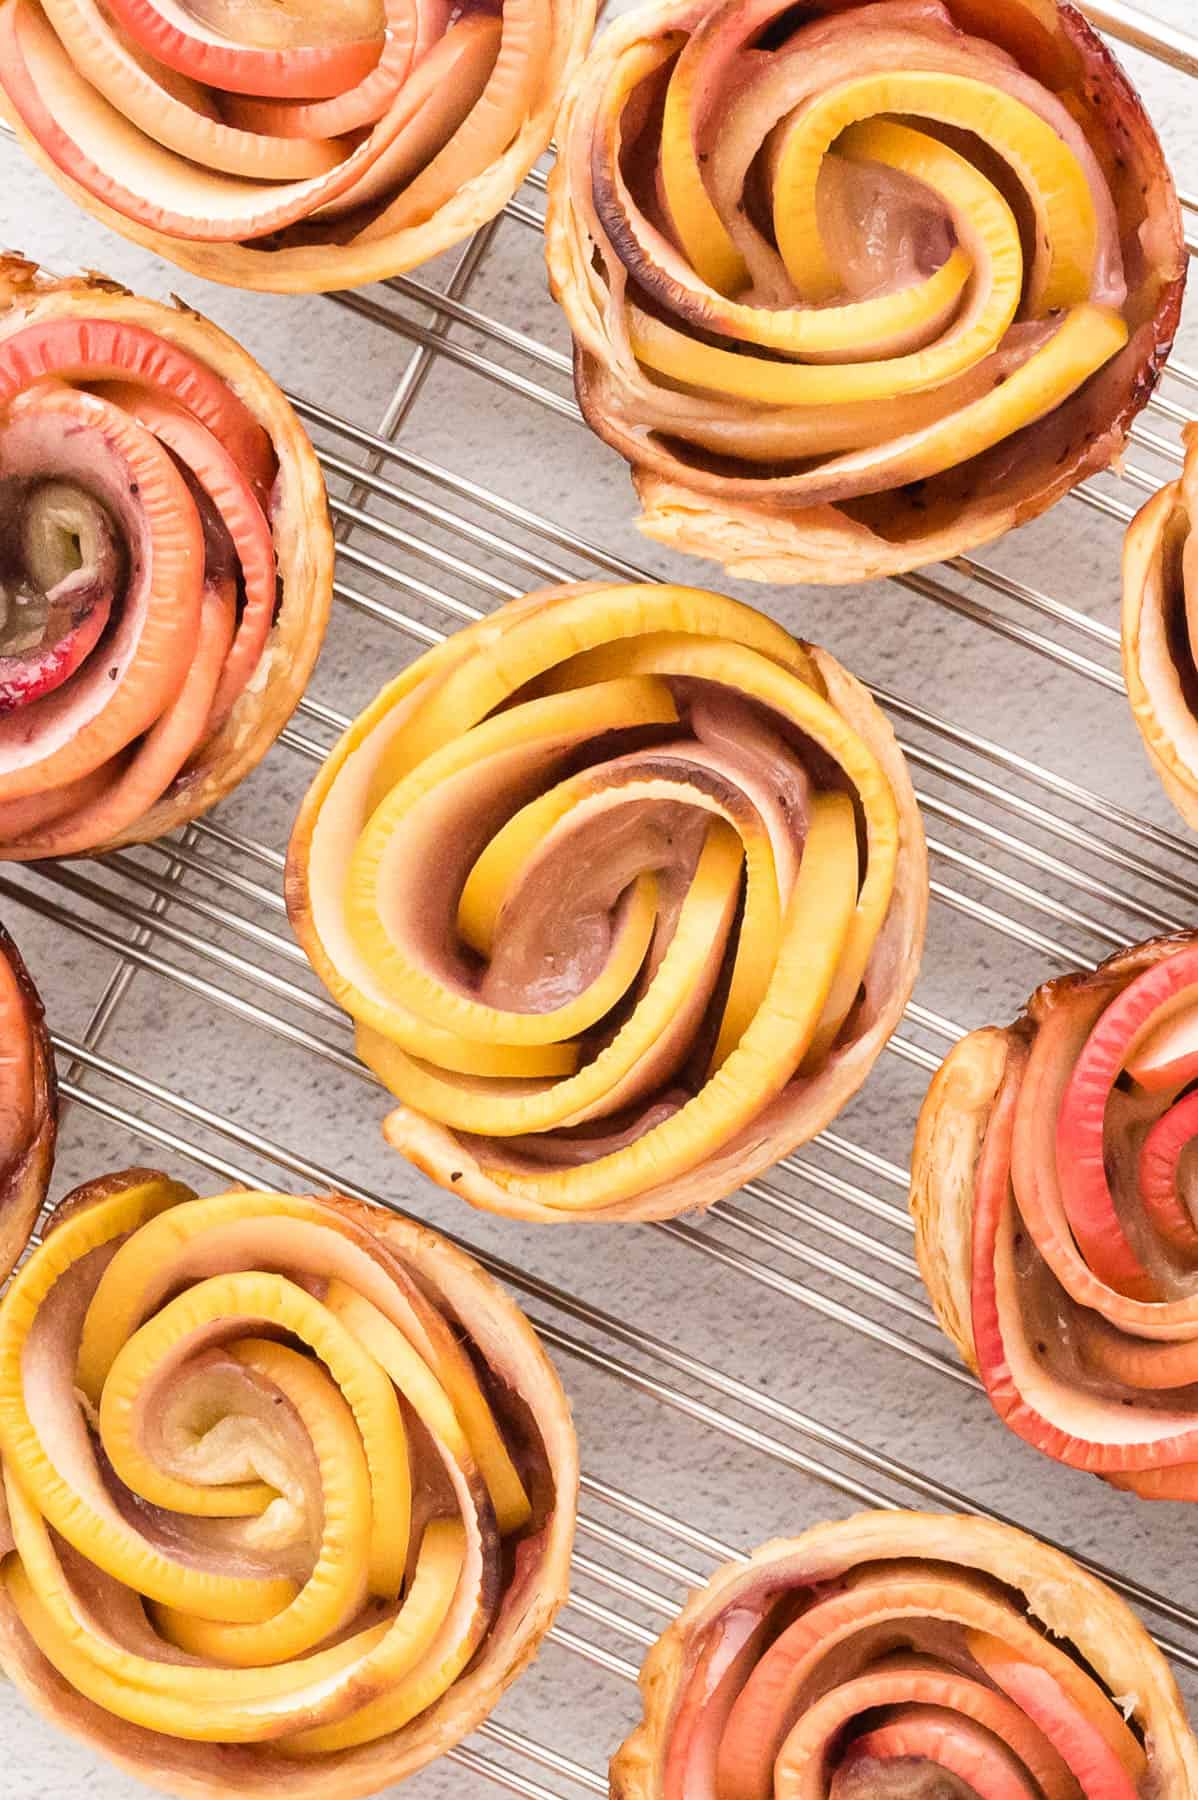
point(281, 144)
point(28, 1105)
point(905, 1656)
point(1062, 1150)
point(849, 286)
point(624, 889)
point(277, 1473)
point(1160, 630)
point(160, 610)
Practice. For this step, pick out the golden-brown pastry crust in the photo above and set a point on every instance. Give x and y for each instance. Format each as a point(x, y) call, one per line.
point(198, 1771)
point(1158, 661)
point(1071, 1605)
point(707, 507)
point(300, 528)
point(321, 268)
point(24, 1182)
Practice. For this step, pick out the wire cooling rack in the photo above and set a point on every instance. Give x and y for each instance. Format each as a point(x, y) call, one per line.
point(738, 1376)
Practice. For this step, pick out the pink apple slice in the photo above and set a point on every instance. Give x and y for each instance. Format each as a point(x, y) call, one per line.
point(412, 28)
point(436, 99)
point(1160, 1160)
point(78, 349)
point(175, 111)
point(920, 1683)
point(230, 493)
point(932, 1735)
point(1080, 1155)
point(488, 128)
point(1164, 1054)
point(59, 602)
point(126, 793)
point(113, 699)
point(1082, 1724)
point(94, 144)
point(325, 65)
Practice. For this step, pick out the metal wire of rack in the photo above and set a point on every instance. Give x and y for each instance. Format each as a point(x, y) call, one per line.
point(1042, 868)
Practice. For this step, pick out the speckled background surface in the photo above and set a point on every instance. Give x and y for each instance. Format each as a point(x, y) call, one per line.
point(775, 1363)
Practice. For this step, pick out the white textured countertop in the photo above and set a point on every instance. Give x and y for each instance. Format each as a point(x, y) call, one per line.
point(774, 1364)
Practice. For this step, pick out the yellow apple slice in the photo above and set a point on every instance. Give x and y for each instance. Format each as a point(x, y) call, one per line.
point(1050, 173)
point(992, 236)
point(815, 935)
point(690, 963)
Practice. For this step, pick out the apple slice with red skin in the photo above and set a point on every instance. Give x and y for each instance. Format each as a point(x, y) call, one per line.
point(413, 27)
point(1083, 1725)
point(933, 1735)
point(488, 128)
point(914, 1681)
point(125, 794)
point(94, 144)
point(113, 699)
point(1077, 1428)
point(60, 597)
point(28, 1105)
point(79, 349)
point(174, 36)
point(1080, 1149)
point(1164, 1053)
point(1160, 1159)
point(239, 512)
point(176, 112)
point(718, 1677)
point(1081, 1163)
point(437, 97)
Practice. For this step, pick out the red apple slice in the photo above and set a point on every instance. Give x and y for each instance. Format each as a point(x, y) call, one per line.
point(1082, 1725)
point(126, 795)
point(933, 1735)
point(1080, 1155)
point(1160, 1158)
point(60, 601)
point(81, 349)
point(80, 438)
point(176, 112)
point(919, 1683)
point(94, 144)
point(1165, 1053)
point(412, 28)
point(243, 518)
point(179, 39)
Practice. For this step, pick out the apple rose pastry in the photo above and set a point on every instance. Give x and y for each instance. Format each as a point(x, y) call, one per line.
point(907, 1656)
point(857, 286)
point(165, 564)
point(625, 890)
point(290, 1488)
point(28, 1105)
point(1160, 631)
point(1053, 1194)
point(281, 143)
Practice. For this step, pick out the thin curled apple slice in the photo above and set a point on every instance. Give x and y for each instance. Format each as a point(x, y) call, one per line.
point(603, 923)
point(854, 1660)
point(766, 219)
point(279, 146)
point(160, 609)
point(287, 66)
point(245, 1561)
point(28, 1105)
point(1055, 1226)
